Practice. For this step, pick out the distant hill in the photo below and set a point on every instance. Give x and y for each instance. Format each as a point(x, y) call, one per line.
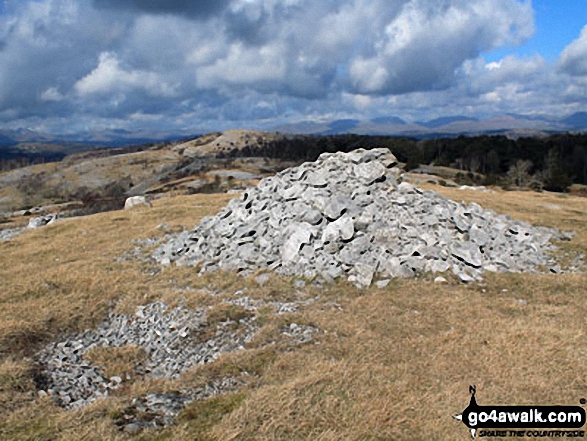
point(26, 143)
point(512, 125)
point(342, 125)
point(384, 120)
point(6, 140)
point(445, 120)
point(576, 120)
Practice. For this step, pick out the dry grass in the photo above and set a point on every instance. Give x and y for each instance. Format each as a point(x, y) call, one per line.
point(65, 277)
point(122, 361)
point(393, 363)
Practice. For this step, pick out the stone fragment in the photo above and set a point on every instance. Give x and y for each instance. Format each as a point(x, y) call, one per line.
point(300, 235)
point(335, 207)
point(478, 236)
point(439, 266)
point(382, 283)
point(468, 253)
point(37, 222)
point(311, 216)
point(369, 172)
point(299, 284)
point(317, 178)
point(341, 229)
point(364, 274)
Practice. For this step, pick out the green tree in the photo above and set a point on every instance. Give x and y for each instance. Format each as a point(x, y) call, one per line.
point(554, 175)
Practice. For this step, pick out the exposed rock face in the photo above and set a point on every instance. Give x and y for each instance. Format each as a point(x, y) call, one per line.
point(37, 222)
point(346, 215)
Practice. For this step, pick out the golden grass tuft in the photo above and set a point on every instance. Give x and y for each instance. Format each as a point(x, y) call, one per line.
point(121, 361)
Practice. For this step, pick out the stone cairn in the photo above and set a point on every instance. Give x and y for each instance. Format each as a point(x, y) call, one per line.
point(348, 216)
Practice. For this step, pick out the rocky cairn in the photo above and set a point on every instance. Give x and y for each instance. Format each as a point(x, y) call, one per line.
point(348, 215)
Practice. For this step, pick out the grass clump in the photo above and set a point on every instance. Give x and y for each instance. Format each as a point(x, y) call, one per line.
point(118, 361)
point(201, 416)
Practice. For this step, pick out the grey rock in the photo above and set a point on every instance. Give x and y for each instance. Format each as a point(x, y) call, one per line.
point(300, 235)
point(469, 253)
point(162, 332)
point(10, 233)
point(369, 172)
point(299, 284)
point(312, 216)
point(136, 201)
point(341, 229)
point(382, 283)
point(37, 222)
point(335, 207)
point(364, 274)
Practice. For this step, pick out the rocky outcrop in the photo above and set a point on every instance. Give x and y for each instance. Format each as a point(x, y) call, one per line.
point(348, 216)
point(37, 222)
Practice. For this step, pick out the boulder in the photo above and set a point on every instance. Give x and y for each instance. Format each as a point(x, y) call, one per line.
point(136, 201)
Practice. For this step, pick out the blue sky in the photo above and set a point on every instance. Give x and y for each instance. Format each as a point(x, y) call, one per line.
point(82, 65)
point(557, 24)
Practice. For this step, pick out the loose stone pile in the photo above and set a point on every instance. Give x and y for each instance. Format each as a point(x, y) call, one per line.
point(347, 216)
point(169, 338)
point(174, 340)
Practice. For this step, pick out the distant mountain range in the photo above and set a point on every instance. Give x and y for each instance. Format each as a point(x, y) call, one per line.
point(105, 138)
point(29, 142)
point(512, 125)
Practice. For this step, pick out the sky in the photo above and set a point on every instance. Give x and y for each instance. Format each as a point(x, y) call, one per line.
point(69, 66)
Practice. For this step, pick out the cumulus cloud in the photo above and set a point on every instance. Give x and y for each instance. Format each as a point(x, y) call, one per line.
point(192, 8)
point(210, 62)
point(573, 59)
point(421, 47)
point(108, 77)
point(52, 94)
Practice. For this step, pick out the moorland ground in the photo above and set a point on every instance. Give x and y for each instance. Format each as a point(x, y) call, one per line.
point(394, 363)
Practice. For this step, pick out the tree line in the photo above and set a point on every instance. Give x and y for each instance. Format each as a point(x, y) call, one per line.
point(552, 163)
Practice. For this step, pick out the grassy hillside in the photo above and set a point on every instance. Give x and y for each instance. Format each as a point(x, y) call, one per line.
point(392, 363)
point(102, 179)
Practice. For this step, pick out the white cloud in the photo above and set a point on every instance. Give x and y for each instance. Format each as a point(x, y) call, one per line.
point(573, 59)
point(262, 59)
point(493, 65)
point(109, 77)
point(52, 94)
point(245, 66)
point(425, 43)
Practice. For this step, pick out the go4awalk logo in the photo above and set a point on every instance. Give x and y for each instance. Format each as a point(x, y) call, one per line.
point(514, 421)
